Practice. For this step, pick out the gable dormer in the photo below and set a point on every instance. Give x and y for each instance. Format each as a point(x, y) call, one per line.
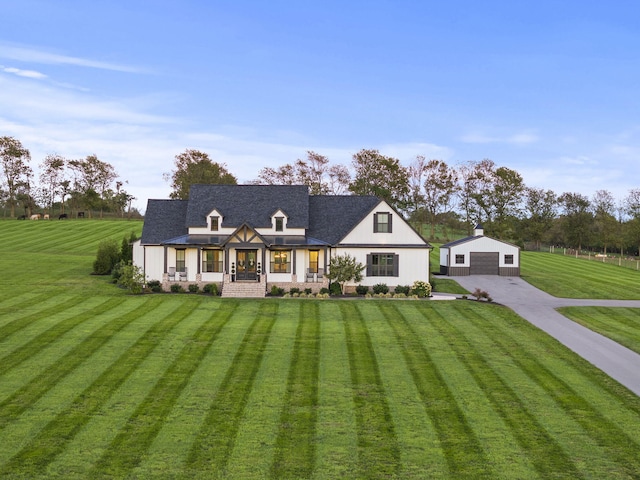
point(279, 221)
point(214, 221)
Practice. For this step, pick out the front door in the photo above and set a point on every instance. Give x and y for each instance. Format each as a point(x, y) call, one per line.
point(246, 261)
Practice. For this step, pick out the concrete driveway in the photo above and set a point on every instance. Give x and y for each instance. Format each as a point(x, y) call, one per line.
point(539, 308)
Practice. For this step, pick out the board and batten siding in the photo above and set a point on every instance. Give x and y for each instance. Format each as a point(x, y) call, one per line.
point(489, 255)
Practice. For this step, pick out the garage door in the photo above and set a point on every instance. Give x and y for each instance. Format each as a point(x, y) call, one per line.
point(485, 263)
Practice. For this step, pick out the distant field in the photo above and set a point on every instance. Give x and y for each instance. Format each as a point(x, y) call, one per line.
point(95, 383)
point(564, 276)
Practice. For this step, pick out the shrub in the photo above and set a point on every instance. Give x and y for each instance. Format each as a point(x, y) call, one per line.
point(307, 291)
point(107, 257)
point(276, 291)
point(380, 288)
point(480, 294)
point(176, 288)
point(324, 291)
point(334, 289)
point(211, 288)
point(294, 290)
point(405, 289)
point(362, 289)
point(421, 289)
point(132, 278)
point(154, 286)
point(194, 288)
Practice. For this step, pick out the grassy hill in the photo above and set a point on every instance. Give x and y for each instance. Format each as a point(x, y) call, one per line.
point(95, 383)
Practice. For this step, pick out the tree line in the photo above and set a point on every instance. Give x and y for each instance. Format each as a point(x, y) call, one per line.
point(77, 184)
point(431, 192)
point(427, 191)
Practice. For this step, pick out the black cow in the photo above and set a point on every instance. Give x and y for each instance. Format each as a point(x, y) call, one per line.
point(63, 215)
point(22, 217)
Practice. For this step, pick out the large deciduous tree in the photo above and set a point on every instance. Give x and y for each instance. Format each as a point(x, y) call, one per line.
point(576, 218)
point(93, 178)
point(16, 170)
point(382, 176)
point(51, 178)
point(604, 217)
point(632, 209)
point(440, 184)
point(193, 167)
point(315, 172)
point(540, 206)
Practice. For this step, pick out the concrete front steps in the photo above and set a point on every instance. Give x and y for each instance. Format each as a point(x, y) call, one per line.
point(243, 290)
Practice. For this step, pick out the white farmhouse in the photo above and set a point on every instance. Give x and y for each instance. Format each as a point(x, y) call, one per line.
point(247, 238)
point(479, 255)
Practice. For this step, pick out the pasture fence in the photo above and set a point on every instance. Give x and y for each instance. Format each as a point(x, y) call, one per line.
point(625, 261)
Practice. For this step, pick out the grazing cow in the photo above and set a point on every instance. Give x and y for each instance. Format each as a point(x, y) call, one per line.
point(22, 217)
point(62, 215)
point(46, 216)
point(35, 216)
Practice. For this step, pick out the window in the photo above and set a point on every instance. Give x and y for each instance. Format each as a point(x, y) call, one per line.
point(382, 222)
point(279, 224)
point(313, 261)
point(459, 259)
point(281, 261)
point(180, 260)
point(508, 259)
point(215, 224)
point(212, 261)
point(382, 265)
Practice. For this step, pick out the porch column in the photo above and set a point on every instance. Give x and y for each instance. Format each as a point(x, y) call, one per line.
point(294, 253)
point(165, 259)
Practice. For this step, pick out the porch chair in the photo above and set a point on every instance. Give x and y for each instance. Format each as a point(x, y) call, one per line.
point(172, 273)
point(309, 275)
point(183, 275)
point(320, 275)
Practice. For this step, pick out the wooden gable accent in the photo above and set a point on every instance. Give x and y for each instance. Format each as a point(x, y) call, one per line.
point(245, 235)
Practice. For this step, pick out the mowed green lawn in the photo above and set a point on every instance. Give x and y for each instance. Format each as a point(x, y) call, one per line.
point(95, 383)
point(568, 277)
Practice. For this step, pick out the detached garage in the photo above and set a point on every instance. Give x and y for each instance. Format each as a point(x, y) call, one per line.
point(479, 255)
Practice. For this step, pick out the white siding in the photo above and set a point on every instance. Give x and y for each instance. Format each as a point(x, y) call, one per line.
point(401, 231)
point(480, 244)
point(413, 264)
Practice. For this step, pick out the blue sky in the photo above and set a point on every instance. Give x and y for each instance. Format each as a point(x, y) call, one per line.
point(547, 88)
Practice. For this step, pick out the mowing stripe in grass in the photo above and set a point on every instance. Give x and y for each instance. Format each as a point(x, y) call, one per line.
point(546, 455)
point(134, 439)
point(462, 450)
point(23, 398)
point(603, 431)
point(378, 451)
point(216, 438)
point(46, 308)
point(40, 451)
point(295, 446)
point(420, 452)
point(336, 432)
point(20, 303)
point(50, 335)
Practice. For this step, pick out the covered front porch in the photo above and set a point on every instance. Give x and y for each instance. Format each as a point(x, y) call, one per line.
point(245, 262)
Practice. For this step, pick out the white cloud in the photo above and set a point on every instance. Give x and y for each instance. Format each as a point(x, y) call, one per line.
point(40, 56)
point(522, 138)
point(23, 73)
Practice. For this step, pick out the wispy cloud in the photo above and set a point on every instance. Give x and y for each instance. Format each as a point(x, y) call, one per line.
point(23, 73)
point(41, 56)
point(522, 138)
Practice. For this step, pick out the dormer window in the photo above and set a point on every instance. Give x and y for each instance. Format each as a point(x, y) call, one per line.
point(215, 223)
point(382, 222)
point(279, 224)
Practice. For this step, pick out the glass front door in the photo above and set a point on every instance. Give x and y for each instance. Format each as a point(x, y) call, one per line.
point(246, 264)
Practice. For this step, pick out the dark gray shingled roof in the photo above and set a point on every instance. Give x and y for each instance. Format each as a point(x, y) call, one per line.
point(251, 204)
point(164, 219)
point(334, 216)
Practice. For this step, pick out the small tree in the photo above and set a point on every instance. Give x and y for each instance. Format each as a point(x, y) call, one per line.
point(107, 257)
point(132, 278)
point(343, 269)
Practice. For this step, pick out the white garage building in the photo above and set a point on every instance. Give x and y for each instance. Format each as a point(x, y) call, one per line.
point(479, 255)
